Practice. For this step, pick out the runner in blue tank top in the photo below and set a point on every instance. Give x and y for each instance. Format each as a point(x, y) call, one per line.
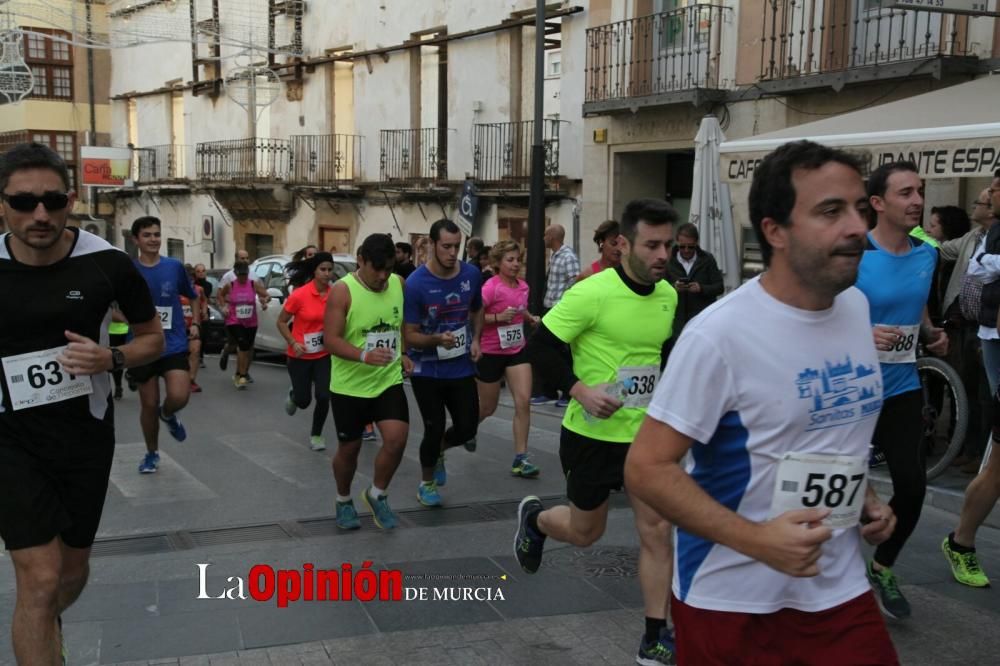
point(896, 274)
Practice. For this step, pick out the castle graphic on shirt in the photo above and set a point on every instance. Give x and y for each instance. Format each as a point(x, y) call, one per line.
point(840, 393)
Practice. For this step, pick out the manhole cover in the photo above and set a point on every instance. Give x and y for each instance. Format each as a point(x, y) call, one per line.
point(610, 562)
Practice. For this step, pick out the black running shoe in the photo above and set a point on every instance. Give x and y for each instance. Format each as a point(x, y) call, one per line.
point(528, 544)
point(223, 359)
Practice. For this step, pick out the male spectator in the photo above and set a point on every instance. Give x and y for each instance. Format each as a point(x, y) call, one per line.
point(57, 440)
point(763, 574)
point(695, 276)
point(983, 492)
point(965, 351)
point(404, 264)
point(564, 266)
point(201, 279)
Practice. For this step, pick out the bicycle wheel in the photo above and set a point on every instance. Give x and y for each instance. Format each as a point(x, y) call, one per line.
point(945, 425)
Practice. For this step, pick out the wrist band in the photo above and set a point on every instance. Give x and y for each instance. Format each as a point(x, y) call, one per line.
point(364, 353)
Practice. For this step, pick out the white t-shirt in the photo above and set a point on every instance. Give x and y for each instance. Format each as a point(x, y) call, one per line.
point(751, 380)
point(230, 276)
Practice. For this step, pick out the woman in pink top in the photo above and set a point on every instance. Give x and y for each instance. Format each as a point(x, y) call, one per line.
point(240, 309)
point(505, 304)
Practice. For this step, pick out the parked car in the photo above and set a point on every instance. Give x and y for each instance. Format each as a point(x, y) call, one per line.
point(271, 271)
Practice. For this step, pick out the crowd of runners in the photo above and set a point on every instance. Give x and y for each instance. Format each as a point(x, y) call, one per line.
point(743, 444)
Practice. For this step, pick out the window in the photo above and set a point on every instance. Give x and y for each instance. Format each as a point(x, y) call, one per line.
point(175, 248)
point(553, 63)
point(63, 143)
point(51, 63)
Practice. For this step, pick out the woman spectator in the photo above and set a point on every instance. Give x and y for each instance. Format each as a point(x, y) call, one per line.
point(308, 361)
point(606, 238)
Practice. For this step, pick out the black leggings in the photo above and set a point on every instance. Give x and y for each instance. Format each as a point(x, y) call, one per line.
point(308, 376)
point(461, 398)
point(899, 434)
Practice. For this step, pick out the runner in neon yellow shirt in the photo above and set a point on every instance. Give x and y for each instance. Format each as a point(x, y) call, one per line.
point(615, 323)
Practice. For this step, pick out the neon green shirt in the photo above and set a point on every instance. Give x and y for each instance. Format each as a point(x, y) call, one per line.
point(616, 337)
point(117, 328)
point(918, 232)
point(375, 319)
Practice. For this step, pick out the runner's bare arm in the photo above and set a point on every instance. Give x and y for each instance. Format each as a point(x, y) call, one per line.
point(789, 543)
point(83, 356)
point(414, 338)
point(283, 318)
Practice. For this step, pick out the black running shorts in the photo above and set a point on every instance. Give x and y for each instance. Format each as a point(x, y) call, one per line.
point(58, 495)
point(160, 367)
point(491, 367)
point(352, 414)
point(593, 468)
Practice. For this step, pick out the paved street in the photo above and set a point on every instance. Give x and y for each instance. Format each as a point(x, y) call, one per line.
point(245, 489)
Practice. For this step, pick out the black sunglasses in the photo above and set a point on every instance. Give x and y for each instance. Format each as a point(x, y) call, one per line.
point(25, 202)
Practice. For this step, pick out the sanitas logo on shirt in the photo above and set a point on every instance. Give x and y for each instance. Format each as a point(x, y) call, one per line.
point(840, 393)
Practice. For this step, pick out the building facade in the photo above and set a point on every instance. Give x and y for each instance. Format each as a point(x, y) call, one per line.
point(654, 68)
point(69, 104)
point(282, 124)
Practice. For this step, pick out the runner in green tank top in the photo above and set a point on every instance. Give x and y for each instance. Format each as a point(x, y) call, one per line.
point(363, 332)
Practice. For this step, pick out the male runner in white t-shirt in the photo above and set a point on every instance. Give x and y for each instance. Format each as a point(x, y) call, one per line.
point(772, 394)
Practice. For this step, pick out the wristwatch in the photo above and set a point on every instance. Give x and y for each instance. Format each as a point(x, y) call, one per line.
point(117, 359)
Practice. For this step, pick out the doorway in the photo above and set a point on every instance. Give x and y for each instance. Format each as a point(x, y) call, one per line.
point(335, 240)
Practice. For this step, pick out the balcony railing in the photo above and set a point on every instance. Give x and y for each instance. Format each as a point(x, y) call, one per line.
point(415, 158)
point(803, 38)
point(502, 152)
point(326, 159)
point(157, 164)
point(662, 53)
point(10, 139)
point(243, 160)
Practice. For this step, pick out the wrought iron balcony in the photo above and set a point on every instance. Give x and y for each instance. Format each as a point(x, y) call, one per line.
point(158, 164)
point(326, 159)
point(502, 152)
point(805, 38)
point(658, 55)
point(243, 160)
point(413, 158)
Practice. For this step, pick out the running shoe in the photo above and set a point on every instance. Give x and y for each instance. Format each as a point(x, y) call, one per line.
point(317, 443)
point(523, 467)
point(540, 400)
point(149, 463)
point(562, 403)
point(381, 513)
point(369, 434)
point(290, 405)
point(890, 599)
point(470, 445)
point(174, 426)
point(965, 566)
point(347, 516)
point(240, 382)
point(194, 387)
point(118, 393)
point(876, 459)
point(528, 544)
point(440, 473)
point(223, 359)
point(660, 651)
point(427, 494)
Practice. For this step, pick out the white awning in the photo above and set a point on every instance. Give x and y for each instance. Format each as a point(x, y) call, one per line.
point(949, 133)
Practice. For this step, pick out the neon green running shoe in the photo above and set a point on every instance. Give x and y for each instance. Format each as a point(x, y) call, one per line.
point(965, 566)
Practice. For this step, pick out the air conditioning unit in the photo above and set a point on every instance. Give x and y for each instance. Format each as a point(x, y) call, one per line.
point(96, 227)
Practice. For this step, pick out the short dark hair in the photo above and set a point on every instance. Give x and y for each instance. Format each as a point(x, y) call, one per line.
point(605, 230)
point(405, 247)
point(689, 230)
point(143, 222)
point(772, 193)
point(954, 221)
point(445, 224)
point(379, 251)
point(650, 211)
point(32, 156)
point(878, 181)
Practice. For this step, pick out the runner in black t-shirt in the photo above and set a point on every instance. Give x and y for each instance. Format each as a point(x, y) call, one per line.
point(56, 414)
